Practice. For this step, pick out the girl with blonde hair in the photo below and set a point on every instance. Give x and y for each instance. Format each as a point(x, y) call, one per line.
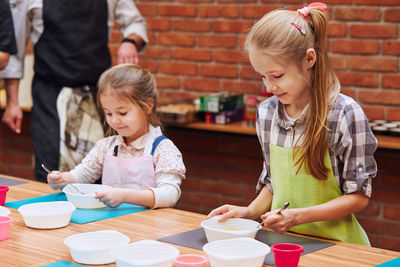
point(317, 144)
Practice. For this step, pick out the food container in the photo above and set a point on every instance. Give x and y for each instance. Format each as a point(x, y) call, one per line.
point(231, 228)
point(178, 112)
point(222, 101)
point(47, 215)
point(5, 223)
point(95, 247)
point(380, 130)
point(145, 253)
point(236, 252)
point(225, 117)
point(190, 260)
point(85, 198)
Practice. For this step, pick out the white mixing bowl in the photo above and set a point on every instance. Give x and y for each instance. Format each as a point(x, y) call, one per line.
point(86, 200)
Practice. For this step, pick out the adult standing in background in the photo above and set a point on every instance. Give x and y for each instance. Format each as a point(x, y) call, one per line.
point(7, 38)
point(70, 43)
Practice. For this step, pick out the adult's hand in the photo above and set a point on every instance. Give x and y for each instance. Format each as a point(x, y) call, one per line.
point(127, 53)
point(13, 117)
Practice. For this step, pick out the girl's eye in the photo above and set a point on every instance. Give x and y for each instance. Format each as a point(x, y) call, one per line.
point(278, 76)
point(108, 114)
point(122, 113)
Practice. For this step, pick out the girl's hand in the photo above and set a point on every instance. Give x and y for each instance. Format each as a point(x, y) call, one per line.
point(279, 223)
point(229, 211)
point(111, 198)
point(56, 180)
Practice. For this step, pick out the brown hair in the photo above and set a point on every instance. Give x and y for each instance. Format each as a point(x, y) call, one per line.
point(275, 35)
point(132, 82)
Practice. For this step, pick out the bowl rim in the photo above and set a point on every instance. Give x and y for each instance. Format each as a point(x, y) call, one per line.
point(69, 239)
point(23, 212)
point(67, 192)
point(236, 232)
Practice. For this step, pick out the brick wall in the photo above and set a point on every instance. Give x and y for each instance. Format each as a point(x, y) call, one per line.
point(195, 47)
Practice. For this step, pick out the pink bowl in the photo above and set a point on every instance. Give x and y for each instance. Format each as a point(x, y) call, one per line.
point(190, 260)
point(5, 222)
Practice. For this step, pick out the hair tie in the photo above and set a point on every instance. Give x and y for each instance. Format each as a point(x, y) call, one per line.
point(305, 10)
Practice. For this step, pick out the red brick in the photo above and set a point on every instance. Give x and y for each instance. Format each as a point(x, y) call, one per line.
point(391, 81)
point(377, 2)
point(336, 30)
point(201, 172)
point(200, 199)
point(10, 157)
point(355, 46)
point(392, 15)
point(176, 39)
point(373, 239)
point(181, 95)
point(393, 114)
point(192, 54)
point(115, 37)
point(149, 65)
point(158, 24)
point(217, 40)
point(237, 1)
point(391, 212)
point(230, 56)
point(219, 11)
point(348, 92)
point(168, 81)
point(201, 84)
point(191, 25)
point(373, 112)
point(385, 196)
point(255, 12)
point(235, 201)
point(249, 191)
point(214, 159)
point(238, 176)
point(147, 10)
point(391, 47)
point(390, 179)
point(232, 26)
point(391, 243)
point(251, 88)
point(177, 10)
point(357, 14)
point(178, 68)
point(373, 31)
point(339, 62)
point(358, 79)
point(191, 184)
point(379, 64)
point(247, 72)
point(372, 210)
point(379, 97)
point(157, 52)
point(222, 188)
point(218, 70)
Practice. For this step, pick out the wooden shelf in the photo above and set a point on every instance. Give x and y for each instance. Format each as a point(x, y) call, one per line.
point(384, 141)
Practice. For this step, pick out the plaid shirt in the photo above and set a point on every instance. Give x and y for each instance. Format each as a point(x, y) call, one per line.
point(351, 141)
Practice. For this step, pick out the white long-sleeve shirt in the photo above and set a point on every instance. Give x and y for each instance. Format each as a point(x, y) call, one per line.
point(28, 22)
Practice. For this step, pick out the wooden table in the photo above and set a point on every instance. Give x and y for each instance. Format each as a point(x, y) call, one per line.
point(32, 247)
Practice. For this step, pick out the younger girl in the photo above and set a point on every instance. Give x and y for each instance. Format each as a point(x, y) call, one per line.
point(142, 165)
point(317, 145)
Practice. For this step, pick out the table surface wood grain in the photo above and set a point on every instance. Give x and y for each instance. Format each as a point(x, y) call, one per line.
point(33, 247)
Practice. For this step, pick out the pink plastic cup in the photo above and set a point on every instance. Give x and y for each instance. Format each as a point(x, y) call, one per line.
point(3, 193)
point(287, 254)
point(5, 222)
point(190, 260)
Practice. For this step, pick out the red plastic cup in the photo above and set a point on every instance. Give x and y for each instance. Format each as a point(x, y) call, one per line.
point(5, 222)
point(3, 194)
point(190, 260)
point(287, 254)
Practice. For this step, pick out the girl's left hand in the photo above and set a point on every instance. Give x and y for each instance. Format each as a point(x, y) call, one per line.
point(111, 198)
point(279, 223)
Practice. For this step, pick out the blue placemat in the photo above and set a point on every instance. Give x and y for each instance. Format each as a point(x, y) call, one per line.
point(63, 264)
point(81, 216)
point(392, 263)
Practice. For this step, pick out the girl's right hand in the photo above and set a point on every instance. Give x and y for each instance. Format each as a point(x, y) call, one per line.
point(230, 211)
point(56, 180)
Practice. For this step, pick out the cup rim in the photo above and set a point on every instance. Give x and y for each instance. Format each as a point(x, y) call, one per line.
point(8, 219)
point(202, 259)
point(4, 188)
point(291, 247)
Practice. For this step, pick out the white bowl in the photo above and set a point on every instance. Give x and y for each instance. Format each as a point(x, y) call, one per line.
point(4, 211)
point(47, 215)
point(236, 252)
point(145, 253)
point(231, 228)
point(95, 247)
point(86, 200)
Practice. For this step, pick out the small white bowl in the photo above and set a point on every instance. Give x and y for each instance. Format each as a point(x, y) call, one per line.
point(47, 215)
point(231, 228)
point(95, 247)
point(86, 200)
point(145, 253)
point(4, 211)
point(236, 252)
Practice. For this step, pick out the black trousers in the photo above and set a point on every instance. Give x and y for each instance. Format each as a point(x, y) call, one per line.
point(45, 126)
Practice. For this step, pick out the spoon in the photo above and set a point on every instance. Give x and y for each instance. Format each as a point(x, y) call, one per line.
point(48, 171)
point(279, 212)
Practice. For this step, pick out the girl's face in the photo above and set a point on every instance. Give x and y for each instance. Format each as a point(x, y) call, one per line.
point(287, 82)
point(124, 116)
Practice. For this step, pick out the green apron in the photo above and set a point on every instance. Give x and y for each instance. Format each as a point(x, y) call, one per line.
point(303, 190)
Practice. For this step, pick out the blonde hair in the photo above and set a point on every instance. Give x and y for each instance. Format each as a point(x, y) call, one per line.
point(132, 82)
point(275, 35)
